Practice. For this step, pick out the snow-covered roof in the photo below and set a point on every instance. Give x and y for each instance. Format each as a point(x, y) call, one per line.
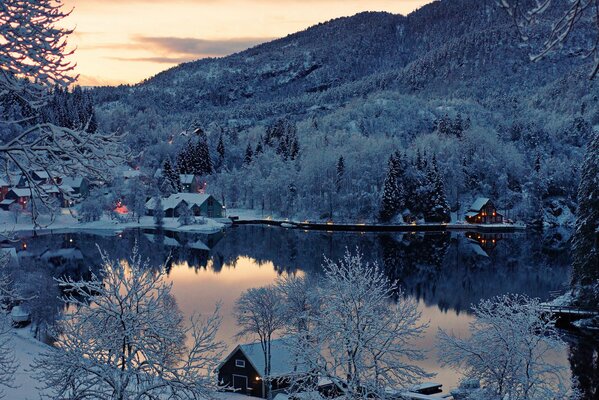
point(175, 199)
point(479, 204)
point(132, 173)
point(20, 192)
point(3, 182)
point(471, 214)
point(283, 361)
point(42, 174)
point(74, 182)
point(158, 173)
point(186, 179)
point(198, 245)
point(6, 202)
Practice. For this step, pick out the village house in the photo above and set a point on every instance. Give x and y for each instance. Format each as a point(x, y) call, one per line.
point(4, 188)
point(20, 196)
point(78, 184)
point(38, 177)
point(200, 205)
point(243, 369)
point(483, 211)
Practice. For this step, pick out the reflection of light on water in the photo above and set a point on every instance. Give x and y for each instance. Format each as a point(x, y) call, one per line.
point(199, 290)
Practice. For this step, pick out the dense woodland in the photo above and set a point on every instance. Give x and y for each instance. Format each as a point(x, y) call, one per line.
point(279, 117)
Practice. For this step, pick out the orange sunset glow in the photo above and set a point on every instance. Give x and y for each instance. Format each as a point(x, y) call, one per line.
point(128, 41)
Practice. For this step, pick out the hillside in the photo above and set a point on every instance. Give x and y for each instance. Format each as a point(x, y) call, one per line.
point(372, 83)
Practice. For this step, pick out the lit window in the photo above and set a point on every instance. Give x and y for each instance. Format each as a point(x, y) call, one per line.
point(240, 363)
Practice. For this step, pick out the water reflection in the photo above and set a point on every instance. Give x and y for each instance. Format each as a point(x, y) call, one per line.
point(445, 272)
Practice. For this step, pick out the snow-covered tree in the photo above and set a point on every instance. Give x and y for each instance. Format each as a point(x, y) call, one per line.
point(340, 173)
point(301, 302)
point(93, 206)
point(389, 204)
point(33, 60)
point(158, 210)
point(136, 198)
point(247, 158)
point(576, 13)
point(127, 339)
point(584, 247)
point(171, 182)
point(8, 363)
point(185, 215)
point(509, 351)
point(436, 205)
point(259, 314)
point(220, 151)
point(362, 336)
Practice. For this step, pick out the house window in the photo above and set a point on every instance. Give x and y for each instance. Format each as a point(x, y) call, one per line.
point(240, 363)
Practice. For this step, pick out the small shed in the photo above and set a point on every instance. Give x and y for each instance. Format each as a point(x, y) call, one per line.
point(483, 211)
point(243, 369)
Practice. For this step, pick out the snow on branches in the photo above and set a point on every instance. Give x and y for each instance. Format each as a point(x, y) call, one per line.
point(575, 12)
point(509, 349)
point(33, 61)
point(126, 339)
point(362, 336)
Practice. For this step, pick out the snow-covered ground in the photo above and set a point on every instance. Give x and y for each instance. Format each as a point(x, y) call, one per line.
point(26, 387)
point(67, 222)
point(26, 349)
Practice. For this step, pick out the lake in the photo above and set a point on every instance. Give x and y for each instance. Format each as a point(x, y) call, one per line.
point(444, 272)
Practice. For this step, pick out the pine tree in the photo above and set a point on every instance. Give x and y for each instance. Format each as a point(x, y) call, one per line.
point(204, 160)
point(340, 173)
point(220, 150)
point(171, 182)
point(259, 147)
point(390, 206)
point(247, 159)
point(437, 207)
point(585, 249)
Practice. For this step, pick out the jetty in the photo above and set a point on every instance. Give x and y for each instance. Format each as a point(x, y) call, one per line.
point(567, 314)
point(363, 227)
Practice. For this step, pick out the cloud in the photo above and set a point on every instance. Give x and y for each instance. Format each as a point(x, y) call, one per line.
point(198, 47)
point(157, 60)
point(176, 50)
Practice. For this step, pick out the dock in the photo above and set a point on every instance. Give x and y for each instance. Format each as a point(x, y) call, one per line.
point(568, 313)
point(346, 227)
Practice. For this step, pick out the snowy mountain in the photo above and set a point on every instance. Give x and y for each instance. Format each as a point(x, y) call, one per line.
point(389, 82)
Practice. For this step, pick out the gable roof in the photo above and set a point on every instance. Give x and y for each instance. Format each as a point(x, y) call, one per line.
point(173, 201)
point(283, 361)
point(73, 182)
point(20, 192)
point(186, 179)
point(478, 204)
point(3, 182)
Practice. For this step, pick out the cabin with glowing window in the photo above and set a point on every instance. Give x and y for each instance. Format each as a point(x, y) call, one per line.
point(483, 211)
point(243, 369)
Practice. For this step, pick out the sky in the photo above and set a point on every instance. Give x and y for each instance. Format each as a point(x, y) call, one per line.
point(126, 41)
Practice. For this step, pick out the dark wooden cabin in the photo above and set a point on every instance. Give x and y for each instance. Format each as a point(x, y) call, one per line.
point(483, 211)
point(243, 369)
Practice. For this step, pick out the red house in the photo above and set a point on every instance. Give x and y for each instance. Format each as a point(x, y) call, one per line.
point(483, 211)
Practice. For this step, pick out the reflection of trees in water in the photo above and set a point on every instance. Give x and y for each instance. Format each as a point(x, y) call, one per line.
point(584, 364)
point(439, 268)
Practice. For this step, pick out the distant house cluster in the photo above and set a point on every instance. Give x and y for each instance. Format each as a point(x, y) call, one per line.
point(16, 190)
point(199, 204)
